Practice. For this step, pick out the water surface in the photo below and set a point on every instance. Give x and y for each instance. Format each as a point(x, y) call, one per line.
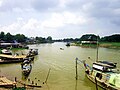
point(62, 64)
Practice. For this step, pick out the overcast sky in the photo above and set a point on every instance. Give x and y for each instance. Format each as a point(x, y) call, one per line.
point(60, 18)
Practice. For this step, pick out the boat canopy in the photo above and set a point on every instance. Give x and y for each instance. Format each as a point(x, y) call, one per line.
point(104, 66)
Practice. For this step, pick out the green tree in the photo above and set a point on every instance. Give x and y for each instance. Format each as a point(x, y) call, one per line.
point(20, 38)
point(2, 35)
point(8, 37)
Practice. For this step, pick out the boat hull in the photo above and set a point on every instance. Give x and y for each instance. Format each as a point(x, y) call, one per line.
point(101, 83)
point(11, 61)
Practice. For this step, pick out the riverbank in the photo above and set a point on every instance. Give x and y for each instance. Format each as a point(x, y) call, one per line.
point(101, 44)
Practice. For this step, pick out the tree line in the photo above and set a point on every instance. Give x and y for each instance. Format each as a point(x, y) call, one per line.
point(20, 38)
point(93, 37)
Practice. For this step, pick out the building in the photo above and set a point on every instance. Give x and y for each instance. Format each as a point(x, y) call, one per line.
point(89, 39)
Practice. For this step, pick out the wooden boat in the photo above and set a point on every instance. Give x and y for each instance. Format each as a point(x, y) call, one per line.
point(61, 48)
point(11, 58)
point(4, 82)
point(26, 68)
point(33, 52)
point(103, 74)
point(6, 51)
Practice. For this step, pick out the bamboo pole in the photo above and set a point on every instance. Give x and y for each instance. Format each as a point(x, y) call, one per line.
point(96, 83)
point(47, 75)
point(76, 69)
point(97, 49)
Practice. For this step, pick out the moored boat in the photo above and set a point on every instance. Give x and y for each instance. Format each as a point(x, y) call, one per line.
point(68, 44)
point(26, 68)
point(104, 74)
point(6, 51)
point(11, 58)
point(32, 52)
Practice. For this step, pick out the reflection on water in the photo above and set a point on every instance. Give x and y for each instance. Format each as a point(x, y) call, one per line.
point(62, 64)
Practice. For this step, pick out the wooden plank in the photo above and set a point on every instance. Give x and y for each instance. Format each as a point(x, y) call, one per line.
point(6, 82)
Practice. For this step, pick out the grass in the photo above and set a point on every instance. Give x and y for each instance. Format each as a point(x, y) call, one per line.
point(110, 44)
point(101, 44)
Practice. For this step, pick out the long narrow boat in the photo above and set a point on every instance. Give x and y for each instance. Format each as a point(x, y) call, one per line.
point(104, 74)
point(11, 58)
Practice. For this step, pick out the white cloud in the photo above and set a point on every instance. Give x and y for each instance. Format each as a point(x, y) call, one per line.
point(1, 1)
point(61, 19)
point(56, 17)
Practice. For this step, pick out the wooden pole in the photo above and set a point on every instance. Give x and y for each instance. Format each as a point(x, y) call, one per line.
point(97, 49)
point(76, 69)
point(0, 73)
point(96, 83)
point(47, 75)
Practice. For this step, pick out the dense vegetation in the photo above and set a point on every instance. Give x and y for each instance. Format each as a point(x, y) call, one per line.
point(23, 39)
point(12, 38)
point(20, 38)
point(112, 38)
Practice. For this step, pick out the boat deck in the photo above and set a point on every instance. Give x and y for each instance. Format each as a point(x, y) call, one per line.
point(11, 56)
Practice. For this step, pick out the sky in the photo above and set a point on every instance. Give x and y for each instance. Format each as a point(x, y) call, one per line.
point(60, 18)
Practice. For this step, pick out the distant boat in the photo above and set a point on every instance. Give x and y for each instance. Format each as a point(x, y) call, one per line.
point(68, 44)
point(61, 48)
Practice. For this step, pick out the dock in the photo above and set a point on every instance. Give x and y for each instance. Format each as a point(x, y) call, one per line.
point(4, 82)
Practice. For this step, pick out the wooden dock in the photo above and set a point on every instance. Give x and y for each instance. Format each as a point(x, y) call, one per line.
point(4, 82)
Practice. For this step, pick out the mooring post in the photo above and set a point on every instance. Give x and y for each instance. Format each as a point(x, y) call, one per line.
point(15, 79)
point(96, 83)
point(76, 69)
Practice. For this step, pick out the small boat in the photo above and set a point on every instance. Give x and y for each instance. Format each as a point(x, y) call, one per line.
point(68, 44)
point(61, 48)
point(26, 68)
point(27, 60)
point(33, 52)
point(6, 51)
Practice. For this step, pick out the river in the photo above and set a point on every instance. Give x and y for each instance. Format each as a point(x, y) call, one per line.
point(61, 63)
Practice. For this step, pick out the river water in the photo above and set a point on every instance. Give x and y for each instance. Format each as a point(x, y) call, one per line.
point(62, 66)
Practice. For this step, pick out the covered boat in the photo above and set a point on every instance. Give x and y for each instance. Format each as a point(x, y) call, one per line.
point(105, 74)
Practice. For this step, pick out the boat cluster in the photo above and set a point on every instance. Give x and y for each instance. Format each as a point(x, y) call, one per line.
point(7, 56)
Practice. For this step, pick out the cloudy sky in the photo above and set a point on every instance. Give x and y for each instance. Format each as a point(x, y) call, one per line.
point(60, 18)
